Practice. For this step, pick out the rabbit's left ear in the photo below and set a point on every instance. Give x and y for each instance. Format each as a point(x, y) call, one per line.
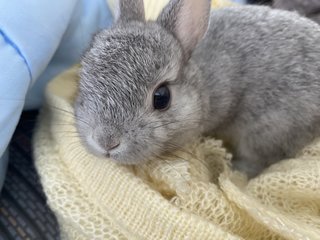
point(187, 20)
point(129, 10)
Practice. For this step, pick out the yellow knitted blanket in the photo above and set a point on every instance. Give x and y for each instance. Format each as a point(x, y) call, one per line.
point(194, 196)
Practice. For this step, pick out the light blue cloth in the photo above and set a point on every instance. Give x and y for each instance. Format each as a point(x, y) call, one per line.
point(38, 40)
point(240, 1)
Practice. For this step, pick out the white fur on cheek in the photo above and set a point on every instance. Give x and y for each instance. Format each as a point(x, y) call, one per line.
point(188, 105)
point(161, 133)
point(95, 146)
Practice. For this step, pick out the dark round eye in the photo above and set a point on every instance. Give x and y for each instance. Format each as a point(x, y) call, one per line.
point(161, 98)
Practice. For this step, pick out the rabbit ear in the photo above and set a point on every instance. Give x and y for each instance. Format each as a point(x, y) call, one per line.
point(187, 20)
point(129, 10)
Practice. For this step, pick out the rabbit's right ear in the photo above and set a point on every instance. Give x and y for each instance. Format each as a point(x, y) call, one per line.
point(187, 20)
point(129, 10)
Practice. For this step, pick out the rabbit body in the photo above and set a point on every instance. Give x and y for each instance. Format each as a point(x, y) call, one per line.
point(261, 69)
point(251, 77)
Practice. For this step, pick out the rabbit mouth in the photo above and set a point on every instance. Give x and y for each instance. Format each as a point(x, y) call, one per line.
point(135, 155)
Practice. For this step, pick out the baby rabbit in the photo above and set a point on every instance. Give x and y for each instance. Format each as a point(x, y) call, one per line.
point(251, 78)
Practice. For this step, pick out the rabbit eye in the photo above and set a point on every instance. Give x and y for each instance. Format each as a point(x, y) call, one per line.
point(161, 98)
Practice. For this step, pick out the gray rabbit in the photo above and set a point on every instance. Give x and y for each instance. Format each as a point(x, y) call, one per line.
point(251, 78)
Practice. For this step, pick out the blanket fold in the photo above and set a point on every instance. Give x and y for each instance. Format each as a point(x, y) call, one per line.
point(191, 196)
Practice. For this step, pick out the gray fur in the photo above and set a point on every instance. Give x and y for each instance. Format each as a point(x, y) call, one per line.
point(130, 10)
point(253, 81)
point(307, 8)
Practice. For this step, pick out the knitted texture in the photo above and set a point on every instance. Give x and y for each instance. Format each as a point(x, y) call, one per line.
point(192, 196)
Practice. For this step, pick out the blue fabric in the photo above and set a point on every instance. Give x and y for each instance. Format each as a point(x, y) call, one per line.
point(240, 1)
point(38, 40)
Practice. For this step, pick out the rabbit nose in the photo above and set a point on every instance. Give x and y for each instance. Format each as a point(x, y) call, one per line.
point(112, 144)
